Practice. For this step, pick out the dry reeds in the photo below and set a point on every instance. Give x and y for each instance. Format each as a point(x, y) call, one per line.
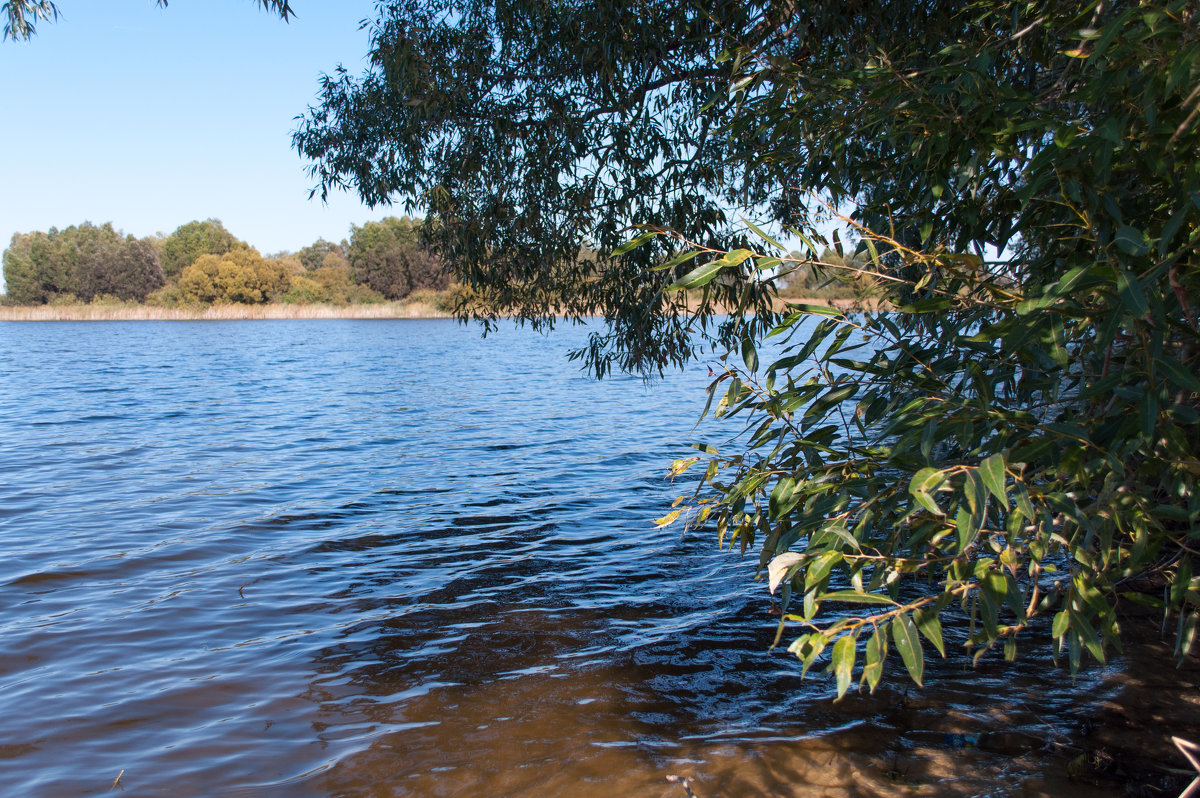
point(135, 312)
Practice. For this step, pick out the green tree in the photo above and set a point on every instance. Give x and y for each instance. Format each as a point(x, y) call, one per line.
point(313, 256)
point(22, 16)
point(191, 240)
point(388, 257)
point(33, 272)
point(84, 261)
point(1015, 449)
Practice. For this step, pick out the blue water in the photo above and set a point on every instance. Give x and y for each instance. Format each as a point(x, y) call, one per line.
point(396, 558)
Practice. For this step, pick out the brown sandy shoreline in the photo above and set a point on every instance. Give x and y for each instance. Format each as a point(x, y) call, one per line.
point(382, 310)
point(412, 309)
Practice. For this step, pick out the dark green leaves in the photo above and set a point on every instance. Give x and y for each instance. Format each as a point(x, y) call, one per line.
point(904, 633)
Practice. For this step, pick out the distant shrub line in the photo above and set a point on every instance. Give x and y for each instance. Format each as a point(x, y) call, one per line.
point(201, 264)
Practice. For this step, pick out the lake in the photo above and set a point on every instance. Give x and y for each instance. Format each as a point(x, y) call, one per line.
point(396, 558)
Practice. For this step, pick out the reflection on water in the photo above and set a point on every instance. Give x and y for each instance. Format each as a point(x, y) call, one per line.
point(377, 558)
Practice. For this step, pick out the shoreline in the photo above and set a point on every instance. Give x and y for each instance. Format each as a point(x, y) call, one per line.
point(382, 310)
point(413, 309)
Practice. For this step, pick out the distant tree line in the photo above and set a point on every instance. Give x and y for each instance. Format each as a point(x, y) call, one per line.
point(202, 263)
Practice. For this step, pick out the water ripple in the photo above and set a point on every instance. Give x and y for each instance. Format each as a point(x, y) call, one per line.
point(392, 558)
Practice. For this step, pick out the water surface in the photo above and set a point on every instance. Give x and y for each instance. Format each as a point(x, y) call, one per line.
point(394, 558)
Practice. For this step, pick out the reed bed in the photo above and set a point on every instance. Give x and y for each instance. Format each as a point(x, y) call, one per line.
point(135, 312)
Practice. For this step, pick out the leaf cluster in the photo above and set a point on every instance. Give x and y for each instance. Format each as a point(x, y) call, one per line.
point(1018, 442)
point(1012, 445)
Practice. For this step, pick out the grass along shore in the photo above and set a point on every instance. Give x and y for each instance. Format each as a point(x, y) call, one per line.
point(410, 309)
point(420, 307)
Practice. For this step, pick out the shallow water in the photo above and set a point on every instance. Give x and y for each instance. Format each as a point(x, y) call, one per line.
point(394, 558)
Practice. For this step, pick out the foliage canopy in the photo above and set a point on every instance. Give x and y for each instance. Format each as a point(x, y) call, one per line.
point(1014, 442)
point(189, 241)
point(82, 261)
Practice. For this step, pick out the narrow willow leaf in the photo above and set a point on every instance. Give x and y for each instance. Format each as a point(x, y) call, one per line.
point(904, 634)
point(926, 501)
point(876, 654)
point(763, 235)
point(1023, 503)
point(808, 647)
point(1178, 374)
point(856, 597)
point(821, 568)
point(1132, 297)
point(749, 354)
point(925, 480)
point(968, 525)
point(706, 273)
point(783, 499)
point(677, 260)
point(779, 567)
point(682, 465)
point(975, 492)
point(667, 519)
point(844, 651)
point(992, 471)
point(629, 246)
point(1189, 621)
point(817, 310)
point(927, 621)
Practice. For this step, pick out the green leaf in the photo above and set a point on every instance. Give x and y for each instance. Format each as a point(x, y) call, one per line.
point(992, 471)
point(842, 664)
point(629, 246)
point(808, 647)
point(1186, 636)
point(856, 597)
point(817, 310)
point(763, 235)
point(928, 622)
point(706, 273)
point(783, 498)
point(1178, 374)
point(876, 654)
point(677, 260)
point(821, 568)
point(926, 501)
point(975, 492)
point(1148, 414)
point(904, 634)
point(925, 480)
point(749, 354)
point(1130, 291)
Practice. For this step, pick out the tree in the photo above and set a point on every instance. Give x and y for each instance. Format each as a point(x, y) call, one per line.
point(191, 240)
point(313, 256)
point(33, 272)
point(387, 257)
point(240, 276)
point(21, 16)
point(573, 123)
point(84, 262)
point(109, 264)
point(1012, 449)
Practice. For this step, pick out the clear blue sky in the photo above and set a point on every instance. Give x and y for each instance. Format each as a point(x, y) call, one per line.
point(149, 118)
